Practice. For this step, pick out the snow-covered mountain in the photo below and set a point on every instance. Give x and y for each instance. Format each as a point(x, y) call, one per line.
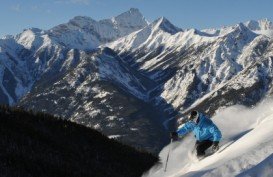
point(202, 69)
point(125, 76)
point(27, 56)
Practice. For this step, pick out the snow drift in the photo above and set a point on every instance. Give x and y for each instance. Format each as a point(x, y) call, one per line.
point(246, 147)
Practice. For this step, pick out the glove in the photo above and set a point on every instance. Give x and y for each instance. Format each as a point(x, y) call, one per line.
point(180, 121)
point(174, 136)
point(215, 146)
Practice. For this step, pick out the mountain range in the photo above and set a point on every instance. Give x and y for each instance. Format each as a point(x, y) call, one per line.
point(127, 77)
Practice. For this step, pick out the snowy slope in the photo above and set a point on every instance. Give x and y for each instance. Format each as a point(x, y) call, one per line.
point(247, 146)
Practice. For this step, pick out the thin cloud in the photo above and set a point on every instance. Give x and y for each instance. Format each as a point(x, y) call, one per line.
point(82, 2)
point(85, 2)
point(35, 8)
point(16, 8)
point(48, 11)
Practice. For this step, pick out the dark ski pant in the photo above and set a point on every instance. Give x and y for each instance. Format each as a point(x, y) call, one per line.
point(202, 146)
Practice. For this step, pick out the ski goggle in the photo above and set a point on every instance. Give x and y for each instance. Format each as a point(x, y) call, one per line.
point(194, 117)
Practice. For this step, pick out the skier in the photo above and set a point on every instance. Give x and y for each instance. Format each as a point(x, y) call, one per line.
point(205, 131)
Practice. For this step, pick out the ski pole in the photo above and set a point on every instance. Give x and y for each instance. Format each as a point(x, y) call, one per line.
point(166, 164)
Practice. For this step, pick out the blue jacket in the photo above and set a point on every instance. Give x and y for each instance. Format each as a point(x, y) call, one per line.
point(205, 129)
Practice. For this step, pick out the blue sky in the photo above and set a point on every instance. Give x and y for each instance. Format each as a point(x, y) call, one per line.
point(16, 15)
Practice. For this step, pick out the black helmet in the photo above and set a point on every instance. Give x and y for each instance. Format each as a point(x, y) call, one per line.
point(194, 116)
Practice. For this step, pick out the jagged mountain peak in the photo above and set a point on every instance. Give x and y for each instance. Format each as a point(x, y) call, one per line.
point(30, 38)
point(263, 24)
point(240, 27)
point(165, 25)
point(85, 33)
point(131, 12)
point(34, 30)
point(241, 30)
point(82, 21)
point(29, 31)
point(76, 23)
point(257, 26)
point(134, 10)
point(132, 17)
point(160, 29)
point(194, 31)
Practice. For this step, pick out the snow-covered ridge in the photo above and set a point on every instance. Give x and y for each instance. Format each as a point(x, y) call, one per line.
point(203, 60)
point(162, 33)
point(150, 37)
point(263, 26)
point(85, 33)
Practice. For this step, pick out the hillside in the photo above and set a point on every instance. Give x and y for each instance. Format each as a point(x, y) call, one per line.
point(245, 150)
point(101, 92)
point(42, 145)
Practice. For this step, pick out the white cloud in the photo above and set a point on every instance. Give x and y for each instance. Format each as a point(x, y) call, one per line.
point(16, 8)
